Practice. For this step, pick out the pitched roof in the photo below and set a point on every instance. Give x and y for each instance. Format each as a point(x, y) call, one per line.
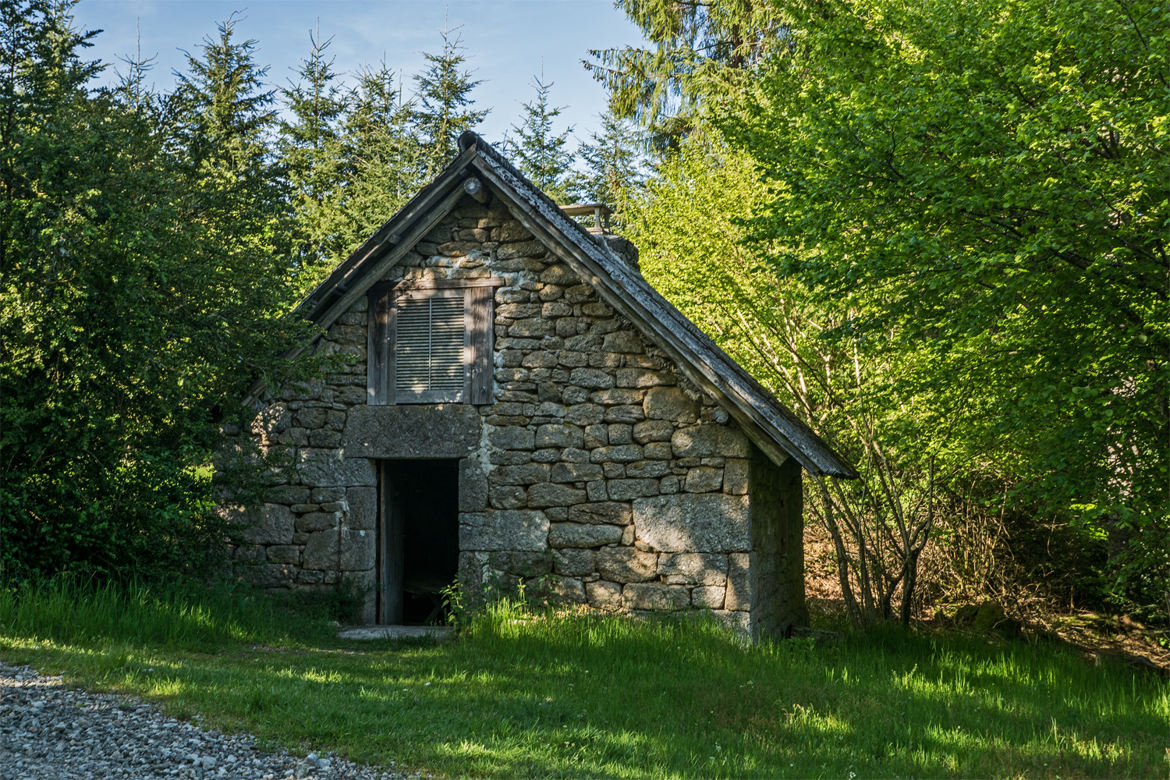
point(771, 426)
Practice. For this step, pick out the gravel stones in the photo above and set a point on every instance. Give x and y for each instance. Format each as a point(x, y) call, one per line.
point(50, 731)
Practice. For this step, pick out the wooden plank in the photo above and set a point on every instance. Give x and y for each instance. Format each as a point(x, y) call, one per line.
point(480, 331)
point(391, 556)
point(451, 284)
point(469, 346)
point(391, 340)
point(377, 344)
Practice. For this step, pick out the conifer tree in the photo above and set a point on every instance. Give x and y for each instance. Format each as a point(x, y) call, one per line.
point(695, 51)
point(312, 154)
point(444, 107)
point(540, 152)
point(224, 110)
point(225, 119)
point(612, 161)
point(383, 151)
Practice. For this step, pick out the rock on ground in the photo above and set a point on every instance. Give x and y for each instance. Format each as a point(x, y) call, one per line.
point(50, 731)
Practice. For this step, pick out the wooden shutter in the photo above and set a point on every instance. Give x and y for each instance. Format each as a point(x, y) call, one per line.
point(430, 360)
point(378, 344)
point(431, 341)
point(479, 312)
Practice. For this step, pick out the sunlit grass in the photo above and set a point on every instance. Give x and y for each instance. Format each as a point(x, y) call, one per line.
point(575, 695)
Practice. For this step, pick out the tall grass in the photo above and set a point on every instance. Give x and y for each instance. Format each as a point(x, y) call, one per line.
point(521, 694)
point(174, 615)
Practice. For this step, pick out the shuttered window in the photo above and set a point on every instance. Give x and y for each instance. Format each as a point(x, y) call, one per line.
point(431, 342)
point(430, 363)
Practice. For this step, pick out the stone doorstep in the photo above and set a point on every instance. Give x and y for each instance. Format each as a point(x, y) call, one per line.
point(395, 632)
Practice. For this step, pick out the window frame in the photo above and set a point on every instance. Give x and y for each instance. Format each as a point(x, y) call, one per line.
point(478, 324)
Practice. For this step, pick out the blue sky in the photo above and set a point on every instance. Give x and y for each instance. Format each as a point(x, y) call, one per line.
point(507, 42)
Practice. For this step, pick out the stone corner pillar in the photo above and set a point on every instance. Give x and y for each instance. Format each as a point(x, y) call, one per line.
point(777, 557)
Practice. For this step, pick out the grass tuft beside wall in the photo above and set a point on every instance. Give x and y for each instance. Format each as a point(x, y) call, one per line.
point(575, 695)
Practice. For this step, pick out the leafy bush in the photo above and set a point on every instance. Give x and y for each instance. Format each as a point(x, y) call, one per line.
point(142, 291)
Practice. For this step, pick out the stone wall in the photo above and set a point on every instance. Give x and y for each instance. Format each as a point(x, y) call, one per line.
point(777, 556)
point(597, 470)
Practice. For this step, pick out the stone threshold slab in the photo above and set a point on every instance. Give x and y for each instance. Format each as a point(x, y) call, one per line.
point(395, 632)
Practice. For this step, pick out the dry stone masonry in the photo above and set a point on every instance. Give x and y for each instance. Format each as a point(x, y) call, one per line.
point(596, 469)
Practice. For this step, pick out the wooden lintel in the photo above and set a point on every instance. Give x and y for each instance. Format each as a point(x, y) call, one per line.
point(450, 284)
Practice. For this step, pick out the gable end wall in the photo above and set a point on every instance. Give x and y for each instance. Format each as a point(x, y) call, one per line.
point(598, 474)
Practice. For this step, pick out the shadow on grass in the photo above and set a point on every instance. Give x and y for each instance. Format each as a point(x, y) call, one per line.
point(597, 697)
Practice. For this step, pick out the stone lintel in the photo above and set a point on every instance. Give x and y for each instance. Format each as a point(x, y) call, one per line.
point(412, 431)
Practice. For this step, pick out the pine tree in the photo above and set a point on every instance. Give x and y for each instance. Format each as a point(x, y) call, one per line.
point(612, 161)
point(540, 152)
point(444, 104)
point(224, 110)
point(313, 159)
point(225, 120)
point(224, 129)
point(384, 154)
point(132, 88)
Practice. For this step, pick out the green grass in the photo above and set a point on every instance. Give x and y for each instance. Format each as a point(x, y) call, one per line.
point(603, 697)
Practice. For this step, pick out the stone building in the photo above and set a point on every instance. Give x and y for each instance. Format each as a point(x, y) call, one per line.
point(521, 405)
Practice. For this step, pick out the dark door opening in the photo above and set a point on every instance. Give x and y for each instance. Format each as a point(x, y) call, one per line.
point(418, 539)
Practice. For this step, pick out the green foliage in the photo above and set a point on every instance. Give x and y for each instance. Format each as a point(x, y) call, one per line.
point(689, 226)
point(963, 210)
point(990, 180)
point(697, 49)
point(384, 155)
point(539, 151)
point(613, 163)
point(312, 155)
point(529, 695)
point(136, 307)
point(224, 117)
point(444, 109)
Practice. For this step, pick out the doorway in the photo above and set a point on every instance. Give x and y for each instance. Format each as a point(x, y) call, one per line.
point(418, 539)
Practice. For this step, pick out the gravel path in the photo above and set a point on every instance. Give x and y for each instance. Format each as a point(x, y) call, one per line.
point(50, 731)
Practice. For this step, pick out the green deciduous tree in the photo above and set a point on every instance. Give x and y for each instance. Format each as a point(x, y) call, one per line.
point(126, 324)
point(689, 223)
point(993, 179)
